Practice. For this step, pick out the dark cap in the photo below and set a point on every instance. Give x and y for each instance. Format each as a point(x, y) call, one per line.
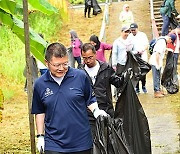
point(133, 26)
point(173, 37)
point(124, 29)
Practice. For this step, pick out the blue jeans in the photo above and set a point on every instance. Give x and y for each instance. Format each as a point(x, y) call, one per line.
point(78, 59)
point(165, 27)
point(156, 78)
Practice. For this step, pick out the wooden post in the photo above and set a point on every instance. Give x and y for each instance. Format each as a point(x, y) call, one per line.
point(29, 75)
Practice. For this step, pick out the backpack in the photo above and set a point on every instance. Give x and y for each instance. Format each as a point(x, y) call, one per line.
point(152, 44)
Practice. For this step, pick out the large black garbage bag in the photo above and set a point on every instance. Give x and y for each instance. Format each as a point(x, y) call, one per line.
point(173, 21)
point(169, 78)
point(135, 123)
point(96, 8)
point(107, 139)
point(139, 67)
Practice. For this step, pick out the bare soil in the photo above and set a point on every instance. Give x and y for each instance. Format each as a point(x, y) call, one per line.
point(163, 114)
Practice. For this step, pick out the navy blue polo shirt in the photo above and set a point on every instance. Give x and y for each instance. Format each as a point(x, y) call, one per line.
point(67, 126)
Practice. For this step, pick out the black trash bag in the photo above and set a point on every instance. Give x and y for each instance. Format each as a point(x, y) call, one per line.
point(139, 67)
point(96, 8)
point(107, 140)
point(145, 67)
point(134, 121)
point(169, 78)
point(173, 21)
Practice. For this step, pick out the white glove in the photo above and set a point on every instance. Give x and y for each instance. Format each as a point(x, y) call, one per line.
point(97, 112)
point(40, 144)
point(178, 16)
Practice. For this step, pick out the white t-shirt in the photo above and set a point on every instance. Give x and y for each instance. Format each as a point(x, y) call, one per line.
point(58, 80)
point(140, 43)
point(159, 48)
point(92, 72)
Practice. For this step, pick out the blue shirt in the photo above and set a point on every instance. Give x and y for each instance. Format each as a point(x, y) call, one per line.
point(119, 51)
point(67, 126)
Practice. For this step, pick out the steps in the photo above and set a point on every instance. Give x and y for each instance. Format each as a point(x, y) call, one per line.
point(157, 16)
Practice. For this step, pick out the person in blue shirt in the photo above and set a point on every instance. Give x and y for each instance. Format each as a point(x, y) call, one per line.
point(61, 97)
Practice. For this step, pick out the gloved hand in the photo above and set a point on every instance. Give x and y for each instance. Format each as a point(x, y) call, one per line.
point(97, 112)
point(40, 144)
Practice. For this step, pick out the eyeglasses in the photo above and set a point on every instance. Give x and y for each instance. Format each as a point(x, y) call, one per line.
point(64, 65)
point(88, 58)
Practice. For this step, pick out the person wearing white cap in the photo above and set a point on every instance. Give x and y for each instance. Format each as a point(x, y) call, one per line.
point(120, 48)
point(126, 16)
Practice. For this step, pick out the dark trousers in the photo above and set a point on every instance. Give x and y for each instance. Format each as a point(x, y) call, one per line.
point(87, 9)
point(143, 81)
point(89, 151)
point(78, 59)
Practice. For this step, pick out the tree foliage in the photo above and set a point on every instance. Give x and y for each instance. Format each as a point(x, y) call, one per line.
point(9, 13)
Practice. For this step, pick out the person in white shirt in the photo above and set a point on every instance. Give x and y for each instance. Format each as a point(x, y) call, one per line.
point(101, 76)
point(156, 60)
point(126, 16)
point(140, 45)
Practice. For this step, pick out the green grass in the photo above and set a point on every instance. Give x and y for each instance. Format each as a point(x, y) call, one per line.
point(12, 50)
point(47, 25)
point(11, 55)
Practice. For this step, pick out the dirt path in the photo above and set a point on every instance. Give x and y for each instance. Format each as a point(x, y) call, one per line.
point(163, 114)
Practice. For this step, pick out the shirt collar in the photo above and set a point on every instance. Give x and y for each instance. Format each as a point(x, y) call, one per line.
point(68, 74)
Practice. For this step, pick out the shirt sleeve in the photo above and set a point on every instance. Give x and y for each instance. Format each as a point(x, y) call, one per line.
point(107, 46)
point(37, 105)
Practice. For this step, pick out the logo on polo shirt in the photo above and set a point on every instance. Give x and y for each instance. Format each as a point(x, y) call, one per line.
point(48, 92)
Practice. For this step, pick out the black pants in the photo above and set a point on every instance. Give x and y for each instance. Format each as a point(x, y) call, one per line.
point(89, 151)
point(143, 81)
point(87, 9)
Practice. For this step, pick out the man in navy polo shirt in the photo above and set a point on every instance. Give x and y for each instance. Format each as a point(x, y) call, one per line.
point(60, 100)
